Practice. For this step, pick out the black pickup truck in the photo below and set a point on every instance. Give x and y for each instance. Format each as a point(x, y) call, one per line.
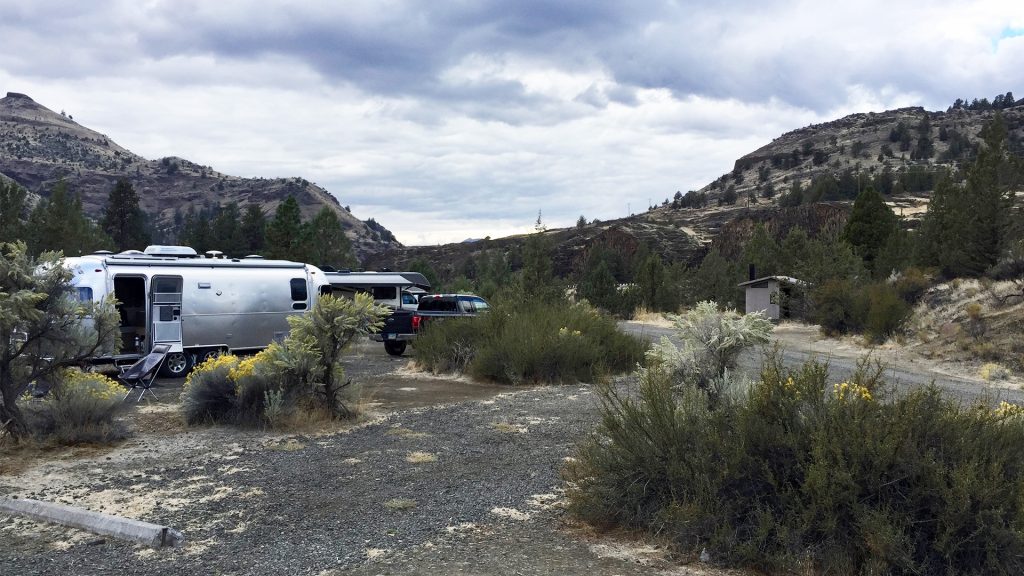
point(403, 325)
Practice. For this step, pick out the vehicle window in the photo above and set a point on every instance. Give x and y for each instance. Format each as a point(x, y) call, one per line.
point(84, 294)
point(299, 293)
point(480, 304)
point(384, 292)
point(466, 306)
point(408, 298)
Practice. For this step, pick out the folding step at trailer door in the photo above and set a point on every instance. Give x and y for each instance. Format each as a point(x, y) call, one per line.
point(166, 310)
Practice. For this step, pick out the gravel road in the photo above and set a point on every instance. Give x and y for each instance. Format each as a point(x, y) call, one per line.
point(464, 487)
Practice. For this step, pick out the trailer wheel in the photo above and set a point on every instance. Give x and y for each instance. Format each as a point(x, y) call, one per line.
point(395, 348)
point(177, 365)
point(209, 353)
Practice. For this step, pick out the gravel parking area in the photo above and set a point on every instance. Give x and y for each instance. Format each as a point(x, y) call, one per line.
point(468, 486)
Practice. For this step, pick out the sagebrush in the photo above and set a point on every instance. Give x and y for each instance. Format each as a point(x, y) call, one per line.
point(530, 342)
point(803, 476)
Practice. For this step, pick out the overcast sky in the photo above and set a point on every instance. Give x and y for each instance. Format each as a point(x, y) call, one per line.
point(447, 120)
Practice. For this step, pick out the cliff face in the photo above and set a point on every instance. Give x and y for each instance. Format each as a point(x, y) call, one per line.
point(39, 147)
point(897, 140)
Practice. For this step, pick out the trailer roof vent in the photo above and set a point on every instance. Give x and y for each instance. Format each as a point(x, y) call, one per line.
point(174, 251)
point(131, 253)
point(215, 254)
point(254, 257)
point(103, 252)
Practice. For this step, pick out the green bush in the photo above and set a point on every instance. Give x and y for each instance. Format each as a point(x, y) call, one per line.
point(80, 408)
point(838, 307)
point(886, 314)
point(877, 310)
point(302, 374)
point(209, 393)
point(800, 476)
point(912, 284)
point(532, 342)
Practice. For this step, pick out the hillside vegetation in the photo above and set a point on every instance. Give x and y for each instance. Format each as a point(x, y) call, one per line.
point(40, 148)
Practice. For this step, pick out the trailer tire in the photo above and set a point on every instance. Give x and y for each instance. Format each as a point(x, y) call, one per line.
point(177, 365)
point(394, 348)
point(207, 354)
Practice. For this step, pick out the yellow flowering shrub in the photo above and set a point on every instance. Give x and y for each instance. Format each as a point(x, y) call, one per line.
point(992, 371)
point(847, 391)
point(81, 407)
point(1005, 410)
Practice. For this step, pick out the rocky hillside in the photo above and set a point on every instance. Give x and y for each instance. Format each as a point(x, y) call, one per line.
point(898, 143)
point(38, 147)
point(895, 141)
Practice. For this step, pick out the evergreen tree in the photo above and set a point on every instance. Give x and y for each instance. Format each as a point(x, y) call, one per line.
point(536, 277)
point(869, 226)
point(597, 284)
point(716, 279)
point(226, 231)
point(763, 252)
point(60, 224)
point(581, 222)
point(123, 220)
point(652, 282)
point(254, 229)
point(966, 228)
point(284, 233)
point(196, 231)
point(12, 210)
point(325, 241)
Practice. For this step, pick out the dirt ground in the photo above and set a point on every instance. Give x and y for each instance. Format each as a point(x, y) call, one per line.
point(442, 475)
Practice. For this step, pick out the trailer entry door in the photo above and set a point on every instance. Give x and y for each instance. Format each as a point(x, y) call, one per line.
point(166, 307)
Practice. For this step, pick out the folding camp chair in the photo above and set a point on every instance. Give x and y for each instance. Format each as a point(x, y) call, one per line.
point(142, 374)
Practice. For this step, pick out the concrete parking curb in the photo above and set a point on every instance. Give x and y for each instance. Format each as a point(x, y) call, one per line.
point(106, 524)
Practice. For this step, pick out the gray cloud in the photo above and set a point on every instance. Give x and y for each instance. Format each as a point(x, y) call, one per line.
point(510, 106)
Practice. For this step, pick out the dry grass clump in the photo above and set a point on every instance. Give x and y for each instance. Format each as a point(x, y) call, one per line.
point(420, 458)
point(400, 504)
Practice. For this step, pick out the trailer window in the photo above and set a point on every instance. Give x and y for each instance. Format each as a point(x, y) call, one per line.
point(299, 293)
point(384, 292)
point(84, 294)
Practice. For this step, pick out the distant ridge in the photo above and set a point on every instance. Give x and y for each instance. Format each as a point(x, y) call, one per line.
point(39, 147)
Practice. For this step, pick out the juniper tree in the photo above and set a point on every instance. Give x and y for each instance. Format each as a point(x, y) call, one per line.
point(870, 224)
point(325, 241)
point(123, 220)
point(284, 233)
point(44, 327)
point(12, 210)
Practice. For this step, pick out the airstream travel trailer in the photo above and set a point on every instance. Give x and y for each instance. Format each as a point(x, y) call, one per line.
point(200, 306)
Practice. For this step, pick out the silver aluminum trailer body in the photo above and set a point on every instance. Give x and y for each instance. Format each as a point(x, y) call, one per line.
point(199, 306)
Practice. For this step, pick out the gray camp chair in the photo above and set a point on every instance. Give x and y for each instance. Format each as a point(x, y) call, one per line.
point(142, 374)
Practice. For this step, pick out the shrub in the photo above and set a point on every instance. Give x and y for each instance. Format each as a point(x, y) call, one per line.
point(711, 343)
point(837, 307)
point(535, 341)
point(912, 284)
point(209, 393)
point(876, 310)
point(80, 408)
point(302, 373)
point(886, 312)
point(992, 371)
point(807, 477)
